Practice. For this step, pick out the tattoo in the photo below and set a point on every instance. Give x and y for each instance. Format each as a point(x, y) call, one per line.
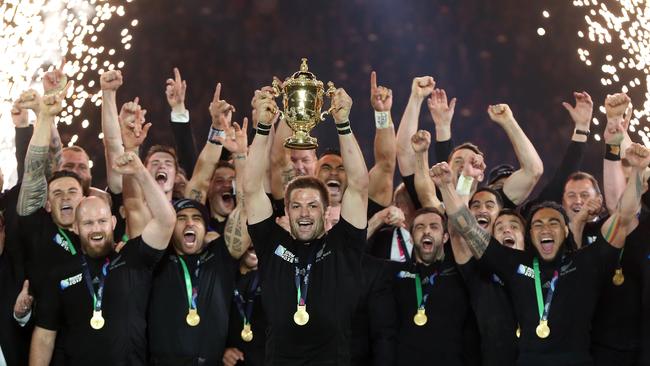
point(465, 224)
point(287, 175)
point(33, 191)
point(233, 233)
point(54, 156)
point(196, 195)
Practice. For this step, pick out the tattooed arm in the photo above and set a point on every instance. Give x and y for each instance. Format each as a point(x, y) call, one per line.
point(33, 192)
point(236, 233)
point(617, 226)
point(460, 218)
point(54, 156)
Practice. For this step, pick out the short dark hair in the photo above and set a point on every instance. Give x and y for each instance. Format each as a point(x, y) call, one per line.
point(67, 174)
point(330, 151)
point(164, 149)
point(307, 182)
point(579, 175)
point(489, 190)
point(547, 204)
point(465, 145)
point(224, 164)
point(510, 212)
point(76, 148)
point(428, 210)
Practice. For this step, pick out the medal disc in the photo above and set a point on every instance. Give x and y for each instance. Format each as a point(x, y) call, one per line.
point(97, 320)
point(193, 319)
point(420, 318)
point(247, 333)
point(542, 329)
point(301, 316)
point(518, 332)
point(618, 278)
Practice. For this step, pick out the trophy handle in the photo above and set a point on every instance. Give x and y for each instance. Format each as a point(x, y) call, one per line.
point(331, 89)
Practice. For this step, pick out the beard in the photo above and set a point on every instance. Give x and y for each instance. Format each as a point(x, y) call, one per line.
point(95, 250)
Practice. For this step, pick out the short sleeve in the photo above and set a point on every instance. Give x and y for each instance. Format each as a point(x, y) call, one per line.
point(140, 254)
point(500, 260)
point(507, 203)
point(261, 236)
point(373, 208)
point(346, 233)
point(603, 255)
point(47, 308)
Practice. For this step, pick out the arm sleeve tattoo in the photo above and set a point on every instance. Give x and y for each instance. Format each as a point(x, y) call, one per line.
point(33, 192)
point(233, 234)
point(465, 224)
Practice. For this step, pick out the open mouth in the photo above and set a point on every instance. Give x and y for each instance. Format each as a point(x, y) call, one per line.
point(427, 243)
point(334, 186)
point(547, 244)
point(305, 224)
point(483, 221)
point(161, 177)
point(228, 198)
point(189, 237)
point(96, 237)
point(66, 209)
point(509, 241)
point(576, 208)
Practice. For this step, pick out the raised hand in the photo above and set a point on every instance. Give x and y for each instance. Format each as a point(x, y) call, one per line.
point(474, 167)
point(111, 80)
point(29, 99)
point(231, 356)
point(422, 86)
point(220, 111)
point(19, 116)
point(582, 112)
point(501, 114)
point(236, 140)
point(591, 208)
point(441, 111)
point(52, 104)
point(133, 126)
point(616, 105)
point(392, 216)
point(381, 98)
point(421, 141)
point(265, 93)
point(638, 156)
point(55, 80)
point(24, 301)
point(341, 105)
point(616, 128)
point(128, 164)
point(441, 174)
point(175, 91)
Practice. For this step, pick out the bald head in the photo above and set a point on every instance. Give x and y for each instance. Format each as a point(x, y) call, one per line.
point(94, 224)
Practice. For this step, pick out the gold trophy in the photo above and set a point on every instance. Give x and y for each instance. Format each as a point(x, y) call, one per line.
point(302, 102)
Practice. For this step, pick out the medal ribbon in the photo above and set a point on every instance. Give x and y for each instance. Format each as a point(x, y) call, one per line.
point(418, 288)
point(545, 307)
point(97, 297)
point(192, 292)
point(302, 282)
point(250, 299)
point(68, 242)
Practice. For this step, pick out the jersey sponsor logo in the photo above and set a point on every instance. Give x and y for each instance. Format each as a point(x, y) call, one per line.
point(285, 254)
point(565, 269)
point(64, 284)
point(448, 271)
point(117, 262)
point(322, 253)
point(497, 280)
point(405, 274)
point(60, 241)
point(526, 271)
point(591, 239)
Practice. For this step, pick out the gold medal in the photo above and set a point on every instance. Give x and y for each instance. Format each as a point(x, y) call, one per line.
point(518, 332)
point(97, 320)
point(247, 333)
point(542, 330)
point(618, 278)
point(420, 318)
point(301, 316)
point(193, 319)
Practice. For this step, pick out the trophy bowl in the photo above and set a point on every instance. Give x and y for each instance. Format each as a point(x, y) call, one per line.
point(302, 101)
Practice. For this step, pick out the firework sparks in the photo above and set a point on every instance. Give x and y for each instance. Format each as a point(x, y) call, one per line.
point(35, 35)
point(624, 26)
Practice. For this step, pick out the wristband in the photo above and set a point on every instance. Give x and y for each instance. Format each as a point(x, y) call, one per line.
point(612, 152)
point(343, 128)
point(263, 129)
point(582, 132)
point(382, 120)
point(239, 156)
point(464, 185)
point(214, 132)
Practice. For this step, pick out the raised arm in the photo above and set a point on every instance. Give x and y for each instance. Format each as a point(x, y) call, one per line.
point(159, 230)
point(257, 203)
point(424, 186)
point(518, 186)
point(20, 118)
point(460, 218)
point(110, 81)
point(221, 113)
point(354, 205)
point(442, 113)
point(408, 126)
point(380, 187)
point(614, 134)
point(33, 191)
point(618, 226)
point(180, 118)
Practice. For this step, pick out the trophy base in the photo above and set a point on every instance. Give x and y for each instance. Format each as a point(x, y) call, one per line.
point(304, 143)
